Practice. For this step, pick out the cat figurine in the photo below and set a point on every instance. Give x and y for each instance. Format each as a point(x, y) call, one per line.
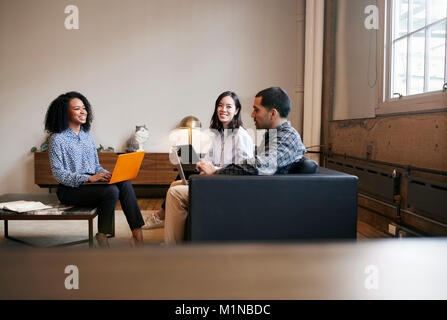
point(135, 143)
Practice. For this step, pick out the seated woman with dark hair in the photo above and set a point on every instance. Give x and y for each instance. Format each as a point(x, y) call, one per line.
point(231, 143)
point(74, 161)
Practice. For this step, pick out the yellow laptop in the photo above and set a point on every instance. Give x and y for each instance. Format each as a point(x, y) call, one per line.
point(126, 167)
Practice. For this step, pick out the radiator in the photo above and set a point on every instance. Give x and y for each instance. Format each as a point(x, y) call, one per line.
point(372, 180)
point(428, 196)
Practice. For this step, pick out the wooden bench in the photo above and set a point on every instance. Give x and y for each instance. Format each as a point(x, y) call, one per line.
point(58, 212)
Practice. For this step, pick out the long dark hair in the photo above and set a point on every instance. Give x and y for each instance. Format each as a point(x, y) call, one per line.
point(236, 122)
point(56, 119)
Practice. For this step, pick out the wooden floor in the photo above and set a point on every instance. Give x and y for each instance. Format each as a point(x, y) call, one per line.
point(364, 230)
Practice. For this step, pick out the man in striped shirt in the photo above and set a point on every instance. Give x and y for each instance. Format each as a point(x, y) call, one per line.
point(280, 149)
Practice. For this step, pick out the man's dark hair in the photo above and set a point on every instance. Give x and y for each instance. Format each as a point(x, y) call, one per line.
point(237, 120)
point(276, 98)
point(56, 119)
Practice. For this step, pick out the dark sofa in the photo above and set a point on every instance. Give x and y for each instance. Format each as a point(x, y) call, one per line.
point(317, 206)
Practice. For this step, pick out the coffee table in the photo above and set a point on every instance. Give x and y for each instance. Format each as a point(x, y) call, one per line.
point(58, 212)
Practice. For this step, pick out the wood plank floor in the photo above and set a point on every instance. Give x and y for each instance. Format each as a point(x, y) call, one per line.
point(367, 231)
point(155, 235)
point(364, 230)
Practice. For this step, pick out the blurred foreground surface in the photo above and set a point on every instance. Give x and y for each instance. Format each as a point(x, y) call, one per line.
point(384, 269)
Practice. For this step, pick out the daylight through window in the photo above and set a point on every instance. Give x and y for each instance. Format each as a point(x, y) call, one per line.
point(418, 46)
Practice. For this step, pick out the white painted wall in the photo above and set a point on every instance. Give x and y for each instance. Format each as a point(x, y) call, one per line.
point(138, 62)
point(356, 63)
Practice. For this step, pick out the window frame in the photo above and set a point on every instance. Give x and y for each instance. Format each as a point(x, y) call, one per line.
point(428, 101)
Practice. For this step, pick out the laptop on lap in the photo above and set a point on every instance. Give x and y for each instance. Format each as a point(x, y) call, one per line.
point(127, 167)
point(188, 157)
point(179, 165)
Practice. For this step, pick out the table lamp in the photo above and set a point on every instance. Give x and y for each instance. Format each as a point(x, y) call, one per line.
point(189, 123)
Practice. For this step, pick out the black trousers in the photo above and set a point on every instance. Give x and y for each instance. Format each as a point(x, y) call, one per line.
point(105, 197)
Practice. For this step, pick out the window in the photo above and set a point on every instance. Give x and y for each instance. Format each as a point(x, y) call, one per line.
point(415, 55)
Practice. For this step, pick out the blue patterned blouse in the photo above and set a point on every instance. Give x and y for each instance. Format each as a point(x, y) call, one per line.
point(73, 158)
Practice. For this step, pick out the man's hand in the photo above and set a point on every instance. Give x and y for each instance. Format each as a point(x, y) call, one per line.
point(102, 176)
point(205, 167)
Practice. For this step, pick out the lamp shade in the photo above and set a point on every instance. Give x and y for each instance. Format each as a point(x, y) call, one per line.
point(190, 122)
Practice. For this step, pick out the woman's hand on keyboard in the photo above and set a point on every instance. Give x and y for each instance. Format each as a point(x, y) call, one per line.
point(102, 176)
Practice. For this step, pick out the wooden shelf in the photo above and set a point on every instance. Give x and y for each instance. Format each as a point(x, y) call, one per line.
point(156, 169)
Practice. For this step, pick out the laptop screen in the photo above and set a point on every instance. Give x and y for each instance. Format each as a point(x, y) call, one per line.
point(187, 154)
point(178, 164)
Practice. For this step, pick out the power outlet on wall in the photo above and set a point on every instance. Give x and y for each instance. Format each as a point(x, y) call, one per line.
point(392, 229)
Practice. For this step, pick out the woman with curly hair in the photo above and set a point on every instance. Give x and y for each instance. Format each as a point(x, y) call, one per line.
point(74, 162)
